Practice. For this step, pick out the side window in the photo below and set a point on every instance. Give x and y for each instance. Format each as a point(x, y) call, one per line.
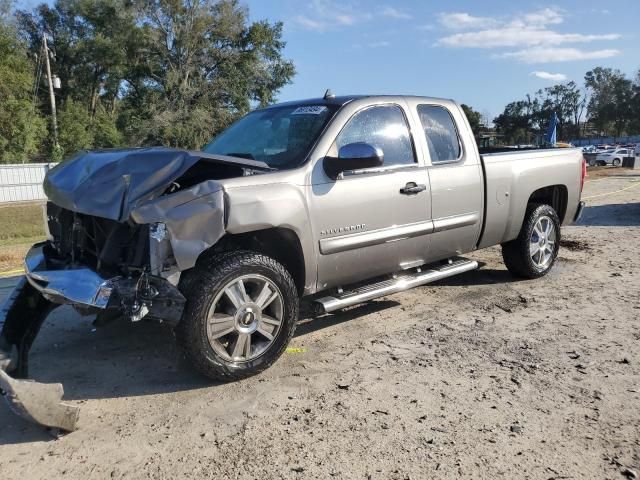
point(441, 133)
point(384, 127)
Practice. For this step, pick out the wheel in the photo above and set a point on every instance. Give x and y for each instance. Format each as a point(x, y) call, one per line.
point(534, 252)
point(592, 162)
point(240, 314)
point(616, 162)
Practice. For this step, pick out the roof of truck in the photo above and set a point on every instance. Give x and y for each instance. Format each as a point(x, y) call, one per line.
point(344, 99)
point(341, 100)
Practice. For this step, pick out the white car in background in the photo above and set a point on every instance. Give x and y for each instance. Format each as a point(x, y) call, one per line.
point(612, 157)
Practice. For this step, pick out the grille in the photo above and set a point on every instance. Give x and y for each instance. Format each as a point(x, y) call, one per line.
point(107, 246)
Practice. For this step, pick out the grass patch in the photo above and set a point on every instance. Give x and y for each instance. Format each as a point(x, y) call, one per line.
point(20, 224)
point(20, 227)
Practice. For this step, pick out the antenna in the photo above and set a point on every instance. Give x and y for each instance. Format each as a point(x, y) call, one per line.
point(328, 94)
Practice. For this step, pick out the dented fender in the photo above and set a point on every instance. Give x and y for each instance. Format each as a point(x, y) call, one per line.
point(194, 217)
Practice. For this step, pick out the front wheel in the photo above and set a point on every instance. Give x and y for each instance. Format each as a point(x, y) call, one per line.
point(592, 162)
point(240, 314)
point(534, 252)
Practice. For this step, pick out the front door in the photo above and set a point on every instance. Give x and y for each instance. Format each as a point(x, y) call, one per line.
point(372, 222)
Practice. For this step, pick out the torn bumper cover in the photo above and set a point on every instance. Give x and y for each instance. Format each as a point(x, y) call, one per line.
point(21, 318)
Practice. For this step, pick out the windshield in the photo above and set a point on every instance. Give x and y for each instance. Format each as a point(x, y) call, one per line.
point(281, 137)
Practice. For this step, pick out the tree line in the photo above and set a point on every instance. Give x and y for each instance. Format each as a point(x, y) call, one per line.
point(132, 72)
point(607, 105)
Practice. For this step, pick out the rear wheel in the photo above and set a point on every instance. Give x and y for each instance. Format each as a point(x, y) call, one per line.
point(616, 162)
point(592, 162)
point(241, 312)
point(534, 252)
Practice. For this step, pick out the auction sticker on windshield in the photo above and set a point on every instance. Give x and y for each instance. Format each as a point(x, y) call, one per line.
point(309, 110)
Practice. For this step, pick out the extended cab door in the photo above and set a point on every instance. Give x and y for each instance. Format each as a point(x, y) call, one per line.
point(457, 186)
point(371, 222)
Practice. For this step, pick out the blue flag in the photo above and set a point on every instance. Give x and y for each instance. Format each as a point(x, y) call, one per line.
point(550, 136)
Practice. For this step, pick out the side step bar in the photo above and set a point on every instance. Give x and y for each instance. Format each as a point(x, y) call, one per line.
point(399, 283)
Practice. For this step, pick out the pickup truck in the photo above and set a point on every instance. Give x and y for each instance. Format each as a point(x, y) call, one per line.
point(338, 200)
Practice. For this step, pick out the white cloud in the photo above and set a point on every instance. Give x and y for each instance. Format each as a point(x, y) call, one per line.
point(546, 16)
point(556, 77)
point(464, 21)
point(510, 36)
point(394, 13)
point(553, 55)
point(322, 15)
point(310, 24)
point(533, 34)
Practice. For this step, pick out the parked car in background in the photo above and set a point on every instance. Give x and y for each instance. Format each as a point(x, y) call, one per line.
point(612, 157)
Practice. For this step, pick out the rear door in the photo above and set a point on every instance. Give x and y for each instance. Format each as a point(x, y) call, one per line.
point(368, 222)
point(455, 172)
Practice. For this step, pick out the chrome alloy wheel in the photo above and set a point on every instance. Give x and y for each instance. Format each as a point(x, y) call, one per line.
point(542, 243)
point(245, 318)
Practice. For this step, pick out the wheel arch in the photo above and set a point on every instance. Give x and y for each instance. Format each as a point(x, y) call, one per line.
point(280, 243)
point(554, 195)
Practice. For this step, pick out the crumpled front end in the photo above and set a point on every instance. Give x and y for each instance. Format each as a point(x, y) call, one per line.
point(102, 263)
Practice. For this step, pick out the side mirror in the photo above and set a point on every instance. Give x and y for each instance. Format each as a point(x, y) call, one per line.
point(354, 156)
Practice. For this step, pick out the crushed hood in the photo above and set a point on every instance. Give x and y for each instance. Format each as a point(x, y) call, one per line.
point(112, 183)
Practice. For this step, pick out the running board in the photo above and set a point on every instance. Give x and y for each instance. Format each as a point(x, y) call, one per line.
point(399, 283)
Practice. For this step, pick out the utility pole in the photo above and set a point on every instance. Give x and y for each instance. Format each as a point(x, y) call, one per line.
point(54, 117)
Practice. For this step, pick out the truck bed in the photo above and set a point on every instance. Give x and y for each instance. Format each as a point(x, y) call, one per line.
point(511, 176)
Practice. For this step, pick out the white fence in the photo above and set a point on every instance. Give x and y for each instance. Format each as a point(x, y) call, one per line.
point(22, 182)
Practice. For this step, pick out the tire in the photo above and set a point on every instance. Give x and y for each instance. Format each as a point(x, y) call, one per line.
point(616, 162)
point(225, 294)
point(517, 253)
point(592, 162)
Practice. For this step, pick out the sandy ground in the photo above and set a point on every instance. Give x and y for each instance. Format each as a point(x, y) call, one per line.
point(478, 376)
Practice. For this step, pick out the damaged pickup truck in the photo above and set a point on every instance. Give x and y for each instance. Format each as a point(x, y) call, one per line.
point(339, 200)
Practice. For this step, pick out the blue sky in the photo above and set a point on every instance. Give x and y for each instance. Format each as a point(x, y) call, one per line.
point(483, 53)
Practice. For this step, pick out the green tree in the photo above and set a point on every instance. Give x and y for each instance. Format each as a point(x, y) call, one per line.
point(610, 105)
point(634, 125)
point(22, 129)
point(74, 128)
point(567, 101)
point(474, 118)
point(515, 122)
point(172, 72)
point(204, 62)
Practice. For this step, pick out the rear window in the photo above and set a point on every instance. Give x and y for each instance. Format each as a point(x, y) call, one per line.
point(440, 132)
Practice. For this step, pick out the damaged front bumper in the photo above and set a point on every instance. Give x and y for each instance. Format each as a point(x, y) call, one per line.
point(90, 292)
point(47, 285)
point(77, 285)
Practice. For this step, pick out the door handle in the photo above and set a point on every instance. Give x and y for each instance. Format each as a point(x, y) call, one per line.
point(412, 188)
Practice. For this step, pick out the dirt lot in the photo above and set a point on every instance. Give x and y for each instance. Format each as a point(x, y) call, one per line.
point(477, 376)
